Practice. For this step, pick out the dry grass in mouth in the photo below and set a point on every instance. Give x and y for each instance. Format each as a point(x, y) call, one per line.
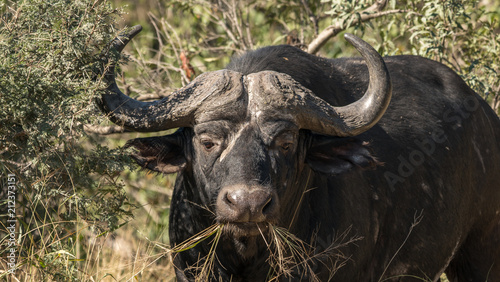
point(286, 252)
point(198, 238)
point(205, 266)
point(289, 256)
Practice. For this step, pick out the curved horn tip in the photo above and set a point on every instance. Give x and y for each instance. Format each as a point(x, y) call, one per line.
point(133, 31)
point(125, 36)
point(356, 41)
point(349, 36)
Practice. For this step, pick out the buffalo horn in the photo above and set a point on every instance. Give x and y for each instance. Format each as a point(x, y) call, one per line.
point(176, 110)
point(359, 116)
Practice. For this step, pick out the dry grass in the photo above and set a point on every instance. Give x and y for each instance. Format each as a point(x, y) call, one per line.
point(129, 254)
point(290, 256)
point(52, 249)
point(122, 256)
point(205, 266)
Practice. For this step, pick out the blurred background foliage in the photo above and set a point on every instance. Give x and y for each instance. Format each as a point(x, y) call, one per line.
point(462, 34)
point(83, 212)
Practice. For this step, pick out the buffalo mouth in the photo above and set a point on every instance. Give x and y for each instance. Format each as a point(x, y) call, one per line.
point(248, 238)
point(246, 229)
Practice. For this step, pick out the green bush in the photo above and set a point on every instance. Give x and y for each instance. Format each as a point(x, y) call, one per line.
point(66, 183)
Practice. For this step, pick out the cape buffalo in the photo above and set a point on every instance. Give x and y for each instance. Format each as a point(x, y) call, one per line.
point(373, 169)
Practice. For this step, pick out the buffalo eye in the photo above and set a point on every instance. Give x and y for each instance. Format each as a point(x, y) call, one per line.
point(208, 145)
point(285, 142)
point(286, 146)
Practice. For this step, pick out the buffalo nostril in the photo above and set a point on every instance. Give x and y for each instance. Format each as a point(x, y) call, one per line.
point(261, 204)
point(230, 199)
point(267, 208)
point(234, 206)
point(235, 198)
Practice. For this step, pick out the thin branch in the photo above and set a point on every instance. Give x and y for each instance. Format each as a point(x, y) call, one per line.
point(104, 130)
point(311, 15)
point(416, 221)
point(378, 6)
point(18, 164)
point(146, 206)
point(173, 41)
point(234, 18)
point(247, 29)
point(369, 13)
point(229, 32)
point(230, 23)
point(283, 25)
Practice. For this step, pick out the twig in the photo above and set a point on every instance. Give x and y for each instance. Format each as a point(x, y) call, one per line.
point(311, 15)
point(146, 206)
point(247, 29)
point(18, 164)
point(104, 130)
point(416, 221)
point(234, 18)
point(300, 201)
point(173, 41)
point(372, 12)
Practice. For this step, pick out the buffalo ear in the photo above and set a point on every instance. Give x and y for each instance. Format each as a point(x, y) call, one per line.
point(335, 155)
point(163, 154)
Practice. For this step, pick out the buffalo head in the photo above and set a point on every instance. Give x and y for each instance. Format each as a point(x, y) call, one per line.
point(246, 139)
